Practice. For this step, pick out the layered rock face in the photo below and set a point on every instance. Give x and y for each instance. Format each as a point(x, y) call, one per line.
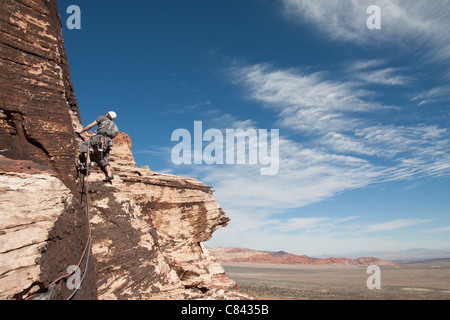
point(37, 99)
point(139, 238)
point(39, 192)
point(147, 234)
point(43, 231)
point(30, 203)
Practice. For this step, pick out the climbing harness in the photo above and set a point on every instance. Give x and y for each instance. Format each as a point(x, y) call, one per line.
point(104, 144)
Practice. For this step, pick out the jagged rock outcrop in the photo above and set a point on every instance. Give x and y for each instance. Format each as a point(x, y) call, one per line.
point(164, 218)
point(139, 238)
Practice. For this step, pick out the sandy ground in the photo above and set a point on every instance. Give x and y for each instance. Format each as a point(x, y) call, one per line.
point(416, 281)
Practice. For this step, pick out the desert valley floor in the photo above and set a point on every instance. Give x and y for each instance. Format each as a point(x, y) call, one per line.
point(428, 280)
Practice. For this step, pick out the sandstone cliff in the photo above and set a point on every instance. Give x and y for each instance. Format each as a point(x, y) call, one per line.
point(37, 100)
point(140, 238)
point(147, 233)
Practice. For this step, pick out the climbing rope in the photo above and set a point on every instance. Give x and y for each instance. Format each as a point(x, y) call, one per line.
point(89, 242)
point(87, 247)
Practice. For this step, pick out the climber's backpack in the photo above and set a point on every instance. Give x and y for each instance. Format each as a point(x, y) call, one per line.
point(108, 128)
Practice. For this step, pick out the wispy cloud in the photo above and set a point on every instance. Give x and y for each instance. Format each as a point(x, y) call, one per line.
point(395, 224)
point(335, 115)
point(338, 148)
point(377, 72)
point(295, 224)
point(435, 95)
point(366, 64)
point(346, 224)
point(386, 76)
point(415, 28)
point(425, 22)
point(306, 176)
point(307, 102)
point(439, 230)
point(313, 224)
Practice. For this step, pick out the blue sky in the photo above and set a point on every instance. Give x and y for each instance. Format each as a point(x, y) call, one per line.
point(363, 115)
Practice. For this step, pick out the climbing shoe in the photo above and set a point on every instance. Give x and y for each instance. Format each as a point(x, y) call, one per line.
point(109, 179)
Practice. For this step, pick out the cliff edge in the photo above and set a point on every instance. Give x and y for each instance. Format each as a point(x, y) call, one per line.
point(140, 238)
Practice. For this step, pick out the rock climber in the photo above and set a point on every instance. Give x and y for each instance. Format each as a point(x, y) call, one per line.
point(100, 143)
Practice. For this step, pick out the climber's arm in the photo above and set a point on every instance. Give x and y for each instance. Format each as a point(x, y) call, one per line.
point(89, 127)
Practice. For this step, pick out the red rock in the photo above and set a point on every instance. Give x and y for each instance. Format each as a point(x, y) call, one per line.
point(36, 94)
point(252, 256)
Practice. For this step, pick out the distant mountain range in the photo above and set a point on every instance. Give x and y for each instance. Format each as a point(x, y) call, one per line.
point(410, 255)
point(281, 257)
point(356, 258)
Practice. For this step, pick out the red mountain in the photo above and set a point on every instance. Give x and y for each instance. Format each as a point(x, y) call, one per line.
point(281, 257)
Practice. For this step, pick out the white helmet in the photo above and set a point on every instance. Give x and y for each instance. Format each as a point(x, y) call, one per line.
point(112, 115)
